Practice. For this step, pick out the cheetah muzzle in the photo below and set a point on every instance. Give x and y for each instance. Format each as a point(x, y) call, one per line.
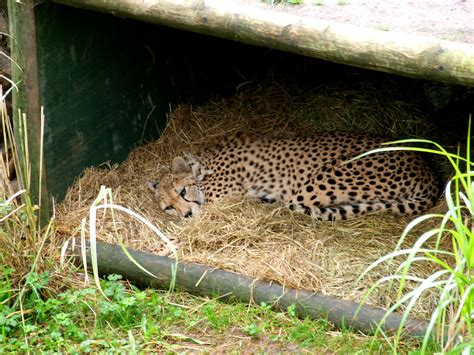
point(312, 175)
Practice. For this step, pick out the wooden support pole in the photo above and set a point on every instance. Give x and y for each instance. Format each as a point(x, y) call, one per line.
point(398, 53)
point(205, 281)
point(26, 98)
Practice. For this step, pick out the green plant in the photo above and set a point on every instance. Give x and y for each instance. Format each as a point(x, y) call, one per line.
point(252, 329)
point(451, 323)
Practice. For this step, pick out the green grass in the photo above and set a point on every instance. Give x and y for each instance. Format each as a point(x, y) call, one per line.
point(128, 319)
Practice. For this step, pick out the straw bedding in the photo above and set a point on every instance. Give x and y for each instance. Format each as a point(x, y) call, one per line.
point(237, 234)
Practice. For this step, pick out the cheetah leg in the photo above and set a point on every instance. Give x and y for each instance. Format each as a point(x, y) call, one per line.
point(343, 212)
point(263, 195)
point(407, 206)
point(413, 205)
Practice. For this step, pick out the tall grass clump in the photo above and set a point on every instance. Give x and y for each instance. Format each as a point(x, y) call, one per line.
point(451, 323)
point(21, 234)
point(24, 267)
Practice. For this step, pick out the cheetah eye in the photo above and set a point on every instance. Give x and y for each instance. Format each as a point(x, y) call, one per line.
point(169, 208)
point(183, 193)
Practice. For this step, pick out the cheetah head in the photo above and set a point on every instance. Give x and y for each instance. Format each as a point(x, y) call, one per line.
point(180, 193)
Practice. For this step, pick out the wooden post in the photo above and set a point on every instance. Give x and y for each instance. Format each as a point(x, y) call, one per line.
point(398, 53)
point(26, 99)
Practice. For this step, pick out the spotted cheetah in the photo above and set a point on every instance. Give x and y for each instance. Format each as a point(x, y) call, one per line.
point(313, 175)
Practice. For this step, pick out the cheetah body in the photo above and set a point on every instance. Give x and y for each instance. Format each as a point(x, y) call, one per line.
point(313, 175)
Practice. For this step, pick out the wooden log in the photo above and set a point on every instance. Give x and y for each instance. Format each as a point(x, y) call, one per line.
point(398, 53)
point(205, 281)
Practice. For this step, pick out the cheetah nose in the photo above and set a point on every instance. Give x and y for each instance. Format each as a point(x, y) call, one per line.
point(188, 214)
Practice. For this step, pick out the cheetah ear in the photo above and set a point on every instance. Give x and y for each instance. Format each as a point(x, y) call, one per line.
point(179, 166)
point(199, 173)
point(153, 185)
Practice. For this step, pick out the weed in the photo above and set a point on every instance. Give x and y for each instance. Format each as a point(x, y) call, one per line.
point(252, 329)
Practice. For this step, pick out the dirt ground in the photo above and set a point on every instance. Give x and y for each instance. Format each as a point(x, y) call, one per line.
point(444, 19)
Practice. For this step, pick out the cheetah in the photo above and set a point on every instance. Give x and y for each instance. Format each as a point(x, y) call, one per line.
point(313, 175)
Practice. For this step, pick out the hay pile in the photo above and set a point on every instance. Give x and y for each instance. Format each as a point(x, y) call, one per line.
point(263, 241)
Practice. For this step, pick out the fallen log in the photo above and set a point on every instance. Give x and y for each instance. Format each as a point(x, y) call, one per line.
point(392, 52)
point(204, 281)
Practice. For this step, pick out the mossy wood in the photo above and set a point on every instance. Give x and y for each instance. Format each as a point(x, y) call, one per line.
point(398, 53)
point(205, 281)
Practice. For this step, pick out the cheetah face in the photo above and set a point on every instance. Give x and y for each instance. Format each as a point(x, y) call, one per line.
point(180, 193)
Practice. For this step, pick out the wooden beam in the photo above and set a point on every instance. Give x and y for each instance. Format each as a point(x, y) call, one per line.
point(26, 99)
point(397, 53)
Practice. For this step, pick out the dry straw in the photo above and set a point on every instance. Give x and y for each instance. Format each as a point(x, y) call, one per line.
point(263, 241)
